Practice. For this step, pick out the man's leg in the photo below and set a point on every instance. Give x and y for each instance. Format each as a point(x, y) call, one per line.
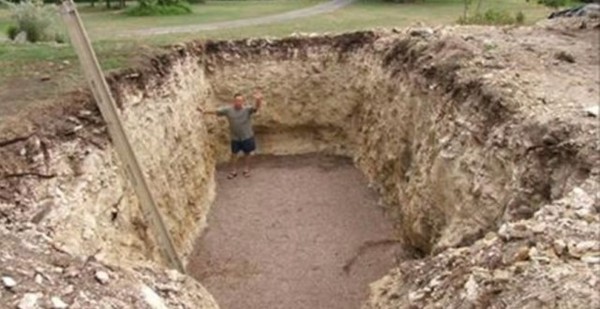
point(246, 164)
point(249, 147)
point(235, 149)
point(233, 163)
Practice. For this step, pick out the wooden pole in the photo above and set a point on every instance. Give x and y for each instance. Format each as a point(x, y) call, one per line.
point(95, 77)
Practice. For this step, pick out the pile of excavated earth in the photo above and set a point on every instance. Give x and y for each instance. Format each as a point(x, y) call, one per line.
point(482, 143)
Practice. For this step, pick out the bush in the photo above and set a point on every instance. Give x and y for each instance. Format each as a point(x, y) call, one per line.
point(555, 4)
point(492, 17)
point(520, 18)
point(159, 8)
point(38, 21)
point(12, 31)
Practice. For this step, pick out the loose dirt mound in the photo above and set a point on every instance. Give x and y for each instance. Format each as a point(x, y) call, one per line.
point(290, 236)
point(36, 273)
point(549, 261)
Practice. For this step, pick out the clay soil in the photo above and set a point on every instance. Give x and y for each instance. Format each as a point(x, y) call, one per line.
point(301, 232)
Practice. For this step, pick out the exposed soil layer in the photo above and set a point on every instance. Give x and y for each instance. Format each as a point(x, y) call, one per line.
point(301, 232)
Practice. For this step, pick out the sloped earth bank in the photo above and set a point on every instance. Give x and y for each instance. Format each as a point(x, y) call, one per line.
point(301, 232)
point(462, 131)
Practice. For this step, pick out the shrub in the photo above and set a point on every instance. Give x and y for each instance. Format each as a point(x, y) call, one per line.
point(12, 31)
point(160, 7)
point(38, 21)
point(555, 4)
point(491, 17)
point(520, 18)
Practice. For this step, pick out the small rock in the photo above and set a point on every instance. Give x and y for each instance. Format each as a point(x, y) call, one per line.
point(581, 199)
point(592, 111)
point(152, 299)
point(435, 282)
point(85, 112)
point(579, 249)
point(415, 296)
point(45, 78)
point(489, 44)
point(174, 275)
point(71, 272)
point(421, 32)
point(591, 259)
point(472, 289)
point(502, 275)
point(68, 290)
point(546, 298)
point(29, 301)
point(565, 56)
point(66, 62)
point(38, 279)
point(559, 247)
point(102, 277)
point(522, 254)
point(87, 234)
point(538, 228)
point(585, 214)
point(8, 282)
point(58, 303)
point(510, 231)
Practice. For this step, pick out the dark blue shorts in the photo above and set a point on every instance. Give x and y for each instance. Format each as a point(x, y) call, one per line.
point(247, 146)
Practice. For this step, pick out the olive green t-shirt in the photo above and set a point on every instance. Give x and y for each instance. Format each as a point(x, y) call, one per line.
point(240, 124)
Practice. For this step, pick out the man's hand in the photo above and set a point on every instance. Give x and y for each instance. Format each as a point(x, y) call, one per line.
point(259, 98)
point(258, 95)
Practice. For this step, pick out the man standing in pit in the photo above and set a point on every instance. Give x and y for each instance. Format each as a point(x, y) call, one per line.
point(239, 116)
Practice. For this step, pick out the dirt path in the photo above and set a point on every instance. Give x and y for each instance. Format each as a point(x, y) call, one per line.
point(282, 238)
point(263, 20)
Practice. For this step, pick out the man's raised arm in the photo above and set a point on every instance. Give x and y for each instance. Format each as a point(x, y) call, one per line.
point(258, 97)
point(208, 111)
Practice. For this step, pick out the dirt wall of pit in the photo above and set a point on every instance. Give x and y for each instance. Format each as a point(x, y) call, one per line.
point(451, 153)
point(68, 178)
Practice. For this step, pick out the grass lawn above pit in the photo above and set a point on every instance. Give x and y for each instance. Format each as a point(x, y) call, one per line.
point(102, 24)
point(21, 63)
point(367, 14)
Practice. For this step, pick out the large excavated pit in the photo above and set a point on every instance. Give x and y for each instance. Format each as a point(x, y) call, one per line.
point(451, 151)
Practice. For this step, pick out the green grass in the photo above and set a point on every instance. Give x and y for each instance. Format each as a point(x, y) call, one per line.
point(363, 14)
point(103, 24)
point(4, 21)
point(367, 14)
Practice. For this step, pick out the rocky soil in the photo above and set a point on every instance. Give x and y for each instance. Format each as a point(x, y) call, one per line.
point(483, 143)
point(551, 260)
point(36, 273)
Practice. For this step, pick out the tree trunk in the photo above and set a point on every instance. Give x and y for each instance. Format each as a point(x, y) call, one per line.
point(108, 4)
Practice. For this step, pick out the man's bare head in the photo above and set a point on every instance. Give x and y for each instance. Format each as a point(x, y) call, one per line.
point(238, 100)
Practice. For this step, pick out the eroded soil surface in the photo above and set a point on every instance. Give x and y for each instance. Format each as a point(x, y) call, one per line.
point(301, 232)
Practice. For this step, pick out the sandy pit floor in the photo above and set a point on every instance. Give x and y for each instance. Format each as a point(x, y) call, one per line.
point(301, 232)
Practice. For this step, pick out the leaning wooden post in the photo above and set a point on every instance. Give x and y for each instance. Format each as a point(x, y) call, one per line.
point(95, 77)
